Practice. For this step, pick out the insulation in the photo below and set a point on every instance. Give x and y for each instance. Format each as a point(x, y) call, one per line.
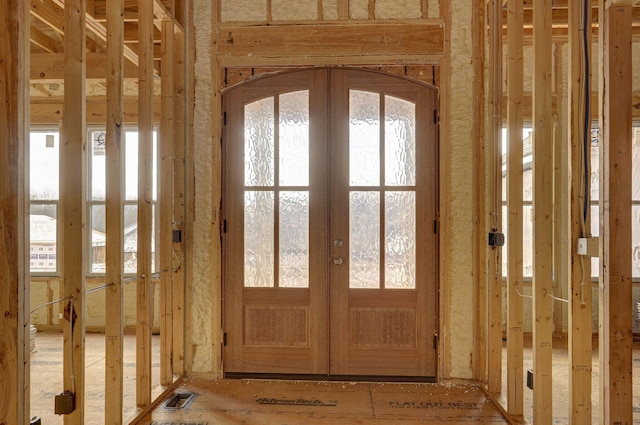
point(359, 9)
point(330, 10)
point(298, 10)
point(239, 10)
point(398, 9)
point(201, 307)
point(433, 8)
point(460, 188)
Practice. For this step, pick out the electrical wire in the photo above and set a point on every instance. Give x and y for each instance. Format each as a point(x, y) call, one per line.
point(587, 109)
point(515, 284)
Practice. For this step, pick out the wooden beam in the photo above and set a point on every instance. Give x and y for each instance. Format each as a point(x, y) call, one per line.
point(92, 24)
point(561, 247)
point(44, 41)
point(179, 202)
point(343, 10)
point(14, 270)
point(165, 199)
point(215, 254)
point(114, 298)
point(580, 332)
point(621, 3)
point(73, 203)
point(145, 196)
point(616, 368)
point(47, 12)
point(543, 212)
point(49, 111)
point(49, 67)
point(492, 219)
point(515, 278)
point(410, 38)
point(478, 23)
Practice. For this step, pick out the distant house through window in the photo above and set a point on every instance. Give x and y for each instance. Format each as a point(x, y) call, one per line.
point(44, 189)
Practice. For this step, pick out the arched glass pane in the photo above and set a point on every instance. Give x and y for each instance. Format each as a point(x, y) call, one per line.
point(259, 143)
point(364, 138)
point(400, 142)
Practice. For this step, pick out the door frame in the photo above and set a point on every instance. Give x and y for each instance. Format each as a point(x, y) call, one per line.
point(436, 188)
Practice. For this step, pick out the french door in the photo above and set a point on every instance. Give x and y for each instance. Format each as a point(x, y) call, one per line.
point(330, 198)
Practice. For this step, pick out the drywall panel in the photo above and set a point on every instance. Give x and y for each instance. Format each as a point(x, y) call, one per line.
point(298, 10)
point(460, 180)
point(237, 10)
point(201, 308)
point(398, 9)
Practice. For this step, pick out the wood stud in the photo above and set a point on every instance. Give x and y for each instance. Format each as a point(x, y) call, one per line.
point(114, 298)
point(145, 200)
point(615, 294)
point(515, 278)
point(165, 195)
point(543, 214)
point(493, 220)
point(14, 137)
point(579, 320)
point(73, 196)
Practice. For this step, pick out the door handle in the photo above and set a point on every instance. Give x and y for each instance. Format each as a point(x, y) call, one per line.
point(337, 261)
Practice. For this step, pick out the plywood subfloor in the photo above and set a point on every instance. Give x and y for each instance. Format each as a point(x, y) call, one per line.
point(253, 402)
point(47, 377)
point(560, 376)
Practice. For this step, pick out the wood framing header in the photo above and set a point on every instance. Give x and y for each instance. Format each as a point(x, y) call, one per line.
point(239, 45)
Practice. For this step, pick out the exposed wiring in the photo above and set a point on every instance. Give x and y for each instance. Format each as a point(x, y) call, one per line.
point(515, 284)
point(549, 294)
point(587, 109)
point(73, 375)
point(99, 288)
point(49, 303)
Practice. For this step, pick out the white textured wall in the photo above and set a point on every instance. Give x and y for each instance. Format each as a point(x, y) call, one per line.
point(203, 302)
point(460, 180)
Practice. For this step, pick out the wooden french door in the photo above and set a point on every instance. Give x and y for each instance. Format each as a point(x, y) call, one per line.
point(330, 199)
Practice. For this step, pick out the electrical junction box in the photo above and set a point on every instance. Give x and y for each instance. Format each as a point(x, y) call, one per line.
point(496, 239)
point(65, 403)
point(589, 247)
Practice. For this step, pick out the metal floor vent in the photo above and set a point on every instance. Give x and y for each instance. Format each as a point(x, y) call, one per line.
point(179, 401)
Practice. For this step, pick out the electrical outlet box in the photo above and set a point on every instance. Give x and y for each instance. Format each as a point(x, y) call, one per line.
point(496, 239)
point(589, 247)
point(65, 403)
